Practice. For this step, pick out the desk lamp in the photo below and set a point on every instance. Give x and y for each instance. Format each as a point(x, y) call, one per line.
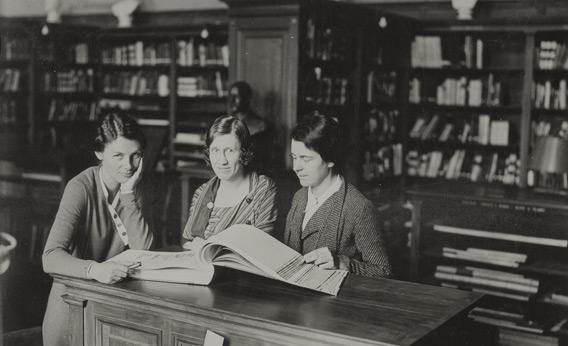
point(549, 160)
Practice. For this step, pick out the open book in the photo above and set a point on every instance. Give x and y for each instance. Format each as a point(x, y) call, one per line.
point(241, 247)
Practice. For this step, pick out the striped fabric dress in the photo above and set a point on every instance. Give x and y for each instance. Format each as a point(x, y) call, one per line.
point(258, 209)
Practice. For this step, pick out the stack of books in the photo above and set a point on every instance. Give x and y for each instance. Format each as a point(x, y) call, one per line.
point(558, 296)
point(492, 282)
point(508, 337)
point(508, 320)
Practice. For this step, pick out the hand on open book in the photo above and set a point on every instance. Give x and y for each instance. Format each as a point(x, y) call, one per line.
point(108, 272)
point(321, 257)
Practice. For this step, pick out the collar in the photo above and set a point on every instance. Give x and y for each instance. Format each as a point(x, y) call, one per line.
point(313, 200)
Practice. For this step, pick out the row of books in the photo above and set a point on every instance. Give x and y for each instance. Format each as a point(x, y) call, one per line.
point(461, 164)
point(481, 130)
point(500, 258)
point(10, 79)
point(551, 181)
point(427, 51)
point(382, 125)
point(203, 85)
point(511, 337)
point(325, 44)
point(493, 282)
point(53, 51)
point(381, 87)
point(192, 53)
point(556, 127)
point(507, 319)
point(74, 80)
point(551, 55)
point(384, 162)
point(138, 53)
point(326, 90)
point(136, 83)
point(458, 92)
point(14, 48)
point(521, 235)
point(62, 110)
point(8, 111)
point(549, 96)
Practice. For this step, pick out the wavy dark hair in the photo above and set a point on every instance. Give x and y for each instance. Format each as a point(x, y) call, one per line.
point(227, 124)
point(320, 133)
point(114, 125)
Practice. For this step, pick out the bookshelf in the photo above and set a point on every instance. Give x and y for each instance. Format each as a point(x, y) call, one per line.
point(16, 73)
point(384, 103)
point(308, 57)
point(65, 85)
point(466, 110)
point(502, 241)
point(167, 76)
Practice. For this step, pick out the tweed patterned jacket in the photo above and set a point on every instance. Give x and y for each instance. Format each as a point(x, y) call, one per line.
point(346, 223)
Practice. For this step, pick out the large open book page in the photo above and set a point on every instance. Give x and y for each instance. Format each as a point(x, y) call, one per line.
point(240, 247)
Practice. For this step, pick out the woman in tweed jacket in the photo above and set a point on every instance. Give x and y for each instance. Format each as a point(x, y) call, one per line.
point(235, 195)
point(330, 221)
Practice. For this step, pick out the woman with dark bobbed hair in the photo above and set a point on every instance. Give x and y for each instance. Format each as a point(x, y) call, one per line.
point(99, 216)
point(236, 195)
point(330, 221)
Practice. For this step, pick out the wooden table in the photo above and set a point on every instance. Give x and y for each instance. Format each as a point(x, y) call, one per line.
point(252, 310)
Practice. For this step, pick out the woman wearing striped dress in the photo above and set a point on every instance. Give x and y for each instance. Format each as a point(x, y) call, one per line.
point(330, 221)
point(235, 195)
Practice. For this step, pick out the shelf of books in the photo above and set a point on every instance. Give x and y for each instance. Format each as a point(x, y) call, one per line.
point(167, 76)
point(549, 110)
point(384, 103)
point(465, 113)
point(66, 82)
point(513, 251)
point(15, 74)
point(202, 88)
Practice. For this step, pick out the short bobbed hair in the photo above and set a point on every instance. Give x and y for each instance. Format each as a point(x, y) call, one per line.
point(228, 124)
point(321, 134)
point(114, 125)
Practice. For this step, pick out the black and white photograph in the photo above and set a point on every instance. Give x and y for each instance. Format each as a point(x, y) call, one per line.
point(283, 172)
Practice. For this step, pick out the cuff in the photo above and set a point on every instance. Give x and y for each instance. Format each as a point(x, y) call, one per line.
point(89, 268)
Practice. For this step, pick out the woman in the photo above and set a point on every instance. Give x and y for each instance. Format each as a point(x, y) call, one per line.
point(99, 216)
point(236, 195)
point(330, 222)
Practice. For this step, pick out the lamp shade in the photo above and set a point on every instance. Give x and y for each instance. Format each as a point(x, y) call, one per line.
point(549, 155)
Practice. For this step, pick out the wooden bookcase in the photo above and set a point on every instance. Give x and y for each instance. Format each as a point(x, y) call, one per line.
point(167, 76)
point(451, 218)
point(16, 76)
point(308, 56)
point(482, 93)
point(384, 104)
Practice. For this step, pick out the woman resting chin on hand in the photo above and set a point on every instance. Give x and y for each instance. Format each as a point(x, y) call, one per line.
point(99, 216)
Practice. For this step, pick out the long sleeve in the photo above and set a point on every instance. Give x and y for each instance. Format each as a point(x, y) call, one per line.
point(368, 241)
point(62, 238)
point(187, 229)
point(266, 208)
point(139, 235)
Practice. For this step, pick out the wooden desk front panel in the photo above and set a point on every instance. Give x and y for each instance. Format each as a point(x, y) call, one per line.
point(120, 324)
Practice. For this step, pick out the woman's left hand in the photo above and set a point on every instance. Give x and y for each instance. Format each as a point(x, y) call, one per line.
point(321, 257)
point(131, 183)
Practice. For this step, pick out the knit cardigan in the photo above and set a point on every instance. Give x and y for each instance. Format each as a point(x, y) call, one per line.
point(346, 223)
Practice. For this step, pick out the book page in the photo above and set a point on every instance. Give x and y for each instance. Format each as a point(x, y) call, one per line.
point(270, 256)
point(158, 260)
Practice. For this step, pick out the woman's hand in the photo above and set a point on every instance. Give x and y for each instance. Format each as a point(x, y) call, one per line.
point(108, 272)
point(321, 257)
point(132, 182)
